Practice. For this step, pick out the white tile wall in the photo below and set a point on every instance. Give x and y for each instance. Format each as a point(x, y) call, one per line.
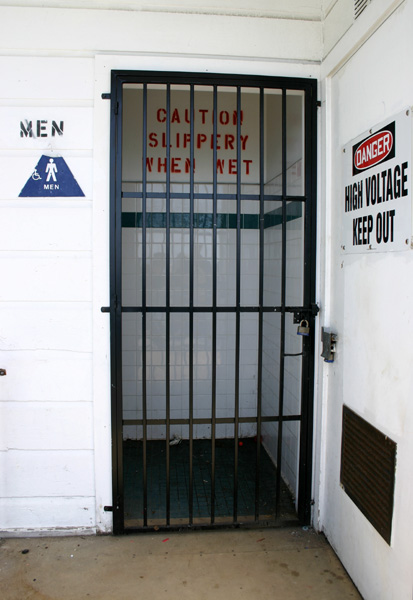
point(179, 349)
point(293, 344)
point(226, 296)
point(295, 261)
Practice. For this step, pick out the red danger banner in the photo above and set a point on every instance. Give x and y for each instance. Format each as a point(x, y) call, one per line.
point(375, 149)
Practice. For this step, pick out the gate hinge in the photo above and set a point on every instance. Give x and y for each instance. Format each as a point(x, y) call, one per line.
point(114, 305)
point(108, 508)
point(107, 96)
point(318, 103)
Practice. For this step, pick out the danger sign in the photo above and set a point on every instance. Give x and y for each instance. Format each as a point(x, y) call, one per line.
point(377, 188)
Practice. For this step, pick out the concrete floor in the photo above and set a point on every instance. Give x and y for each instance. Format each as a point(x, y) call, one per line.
point(280, 564)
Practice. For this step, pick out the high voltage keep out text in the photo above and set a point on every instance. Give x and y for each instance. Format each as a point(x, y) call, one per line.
point(388, 185)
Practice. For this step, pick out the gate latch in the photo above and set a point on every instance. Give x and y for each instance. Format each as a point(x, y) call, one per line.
point(303, 314)
point(329, 340)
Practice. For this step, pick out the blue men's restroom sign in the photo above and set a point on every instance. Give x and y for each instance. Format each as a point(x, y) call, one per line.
point(51, 178)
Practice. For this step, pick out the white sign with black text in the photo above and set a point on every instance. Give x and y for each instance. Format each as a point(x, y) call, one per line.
point(376, 197)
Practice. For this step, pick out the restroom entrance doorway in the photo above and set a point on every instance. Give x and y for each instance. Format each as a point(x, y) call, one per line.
point(212, 270)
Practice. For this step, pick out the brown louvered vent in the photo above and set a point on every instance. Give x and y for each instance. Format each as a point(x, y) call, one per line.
point(368, 464)
point(359, 6)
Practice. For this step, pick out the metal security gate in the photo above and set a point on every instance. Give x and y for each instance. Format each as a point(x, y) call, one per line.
point(212, 267)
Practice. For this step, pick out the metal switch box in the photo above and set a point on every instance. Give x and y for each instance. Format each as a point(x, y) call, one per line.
point(329, 345)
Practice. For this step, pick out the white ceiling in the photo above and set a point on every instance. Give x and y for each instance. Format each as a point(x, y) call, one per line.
point(313, 10)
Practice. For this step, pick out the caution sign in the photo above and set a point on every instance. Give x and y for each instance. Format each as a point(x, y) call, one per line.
point(51, 178)
point(376, 200)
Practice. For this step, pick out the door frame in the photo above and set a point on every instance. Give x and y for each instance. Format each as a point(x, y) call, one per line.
point(308, 310)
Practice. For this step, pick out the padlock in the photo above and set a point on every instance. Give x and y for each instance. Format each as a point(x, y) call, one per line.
point(303, 328)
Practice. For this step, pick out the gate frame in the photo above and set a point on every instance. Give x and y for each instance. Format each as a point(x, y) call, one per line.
point(308, 310)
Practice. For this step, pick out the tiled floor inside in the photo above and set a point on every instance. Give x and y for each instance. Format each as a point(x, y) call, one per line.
point(202, 475)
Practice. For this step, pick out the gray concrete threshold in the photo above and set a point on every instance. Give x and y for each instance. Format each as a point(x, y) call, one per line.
point(276, 564)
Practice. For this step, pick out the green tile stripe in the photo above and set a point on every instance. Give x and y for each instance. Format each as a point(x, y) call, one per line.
point(205, 220)
point(274, 217)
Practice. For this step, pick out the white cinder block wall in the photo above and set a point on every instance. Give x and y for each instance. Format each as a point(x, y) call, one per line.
point(46, 452)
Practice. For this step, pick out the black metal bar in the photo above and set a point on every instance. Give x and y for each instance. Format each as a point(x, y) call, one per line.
point(191, 306)
point(307, 381)
point(283, 296)
point(238, 313)
point(219, 420)
point(115, 303)
point(168, 301)
point(219, 309)
point(132, 529)
point(186, 78)
point(261, 303)
point(144, 315)
point(210, 196)
point(214, 301)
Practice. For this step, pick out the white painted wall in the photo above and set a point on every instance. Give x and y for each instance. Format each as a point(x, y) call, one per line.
point(46, 451)
point(368, 301)
point(293, 9)
point(151, 34)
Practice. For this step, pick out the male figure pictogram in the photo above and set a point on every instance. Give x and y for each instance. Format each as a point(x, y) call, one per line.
point(51, 170)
